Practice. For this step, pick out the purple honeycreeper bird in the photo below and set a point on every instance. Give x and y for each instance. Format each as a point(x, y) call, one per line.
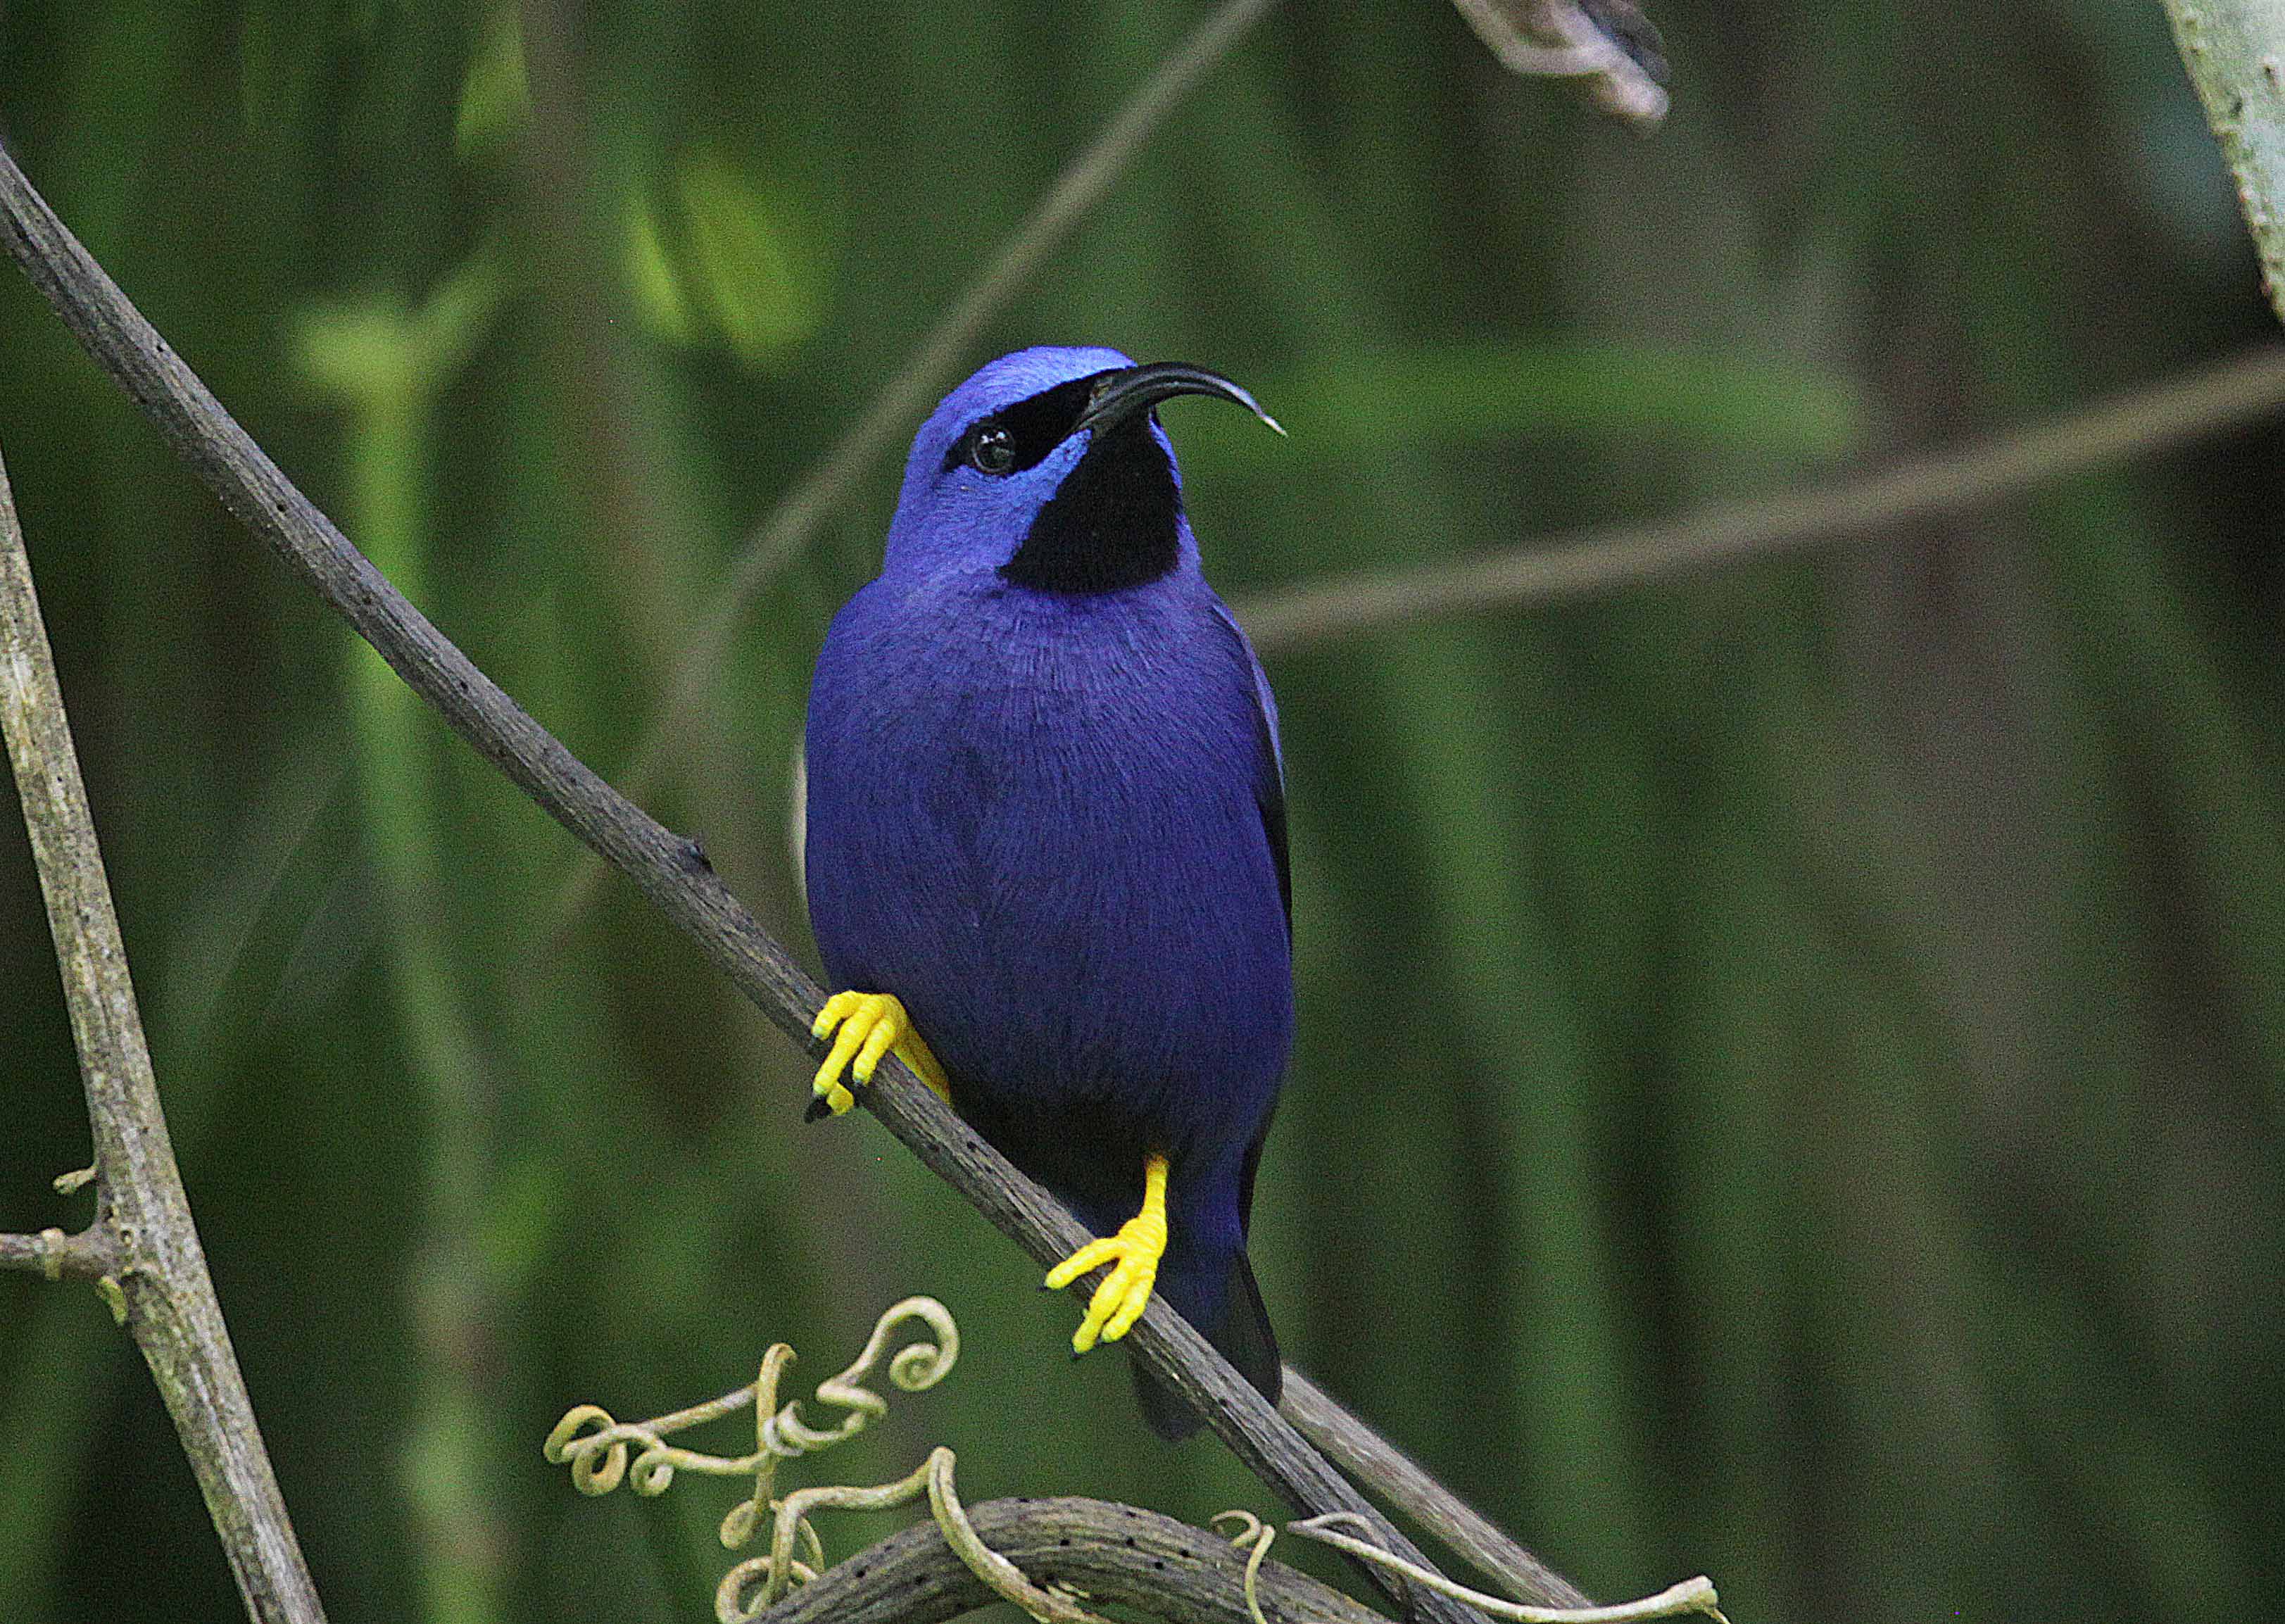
point(1045, 835)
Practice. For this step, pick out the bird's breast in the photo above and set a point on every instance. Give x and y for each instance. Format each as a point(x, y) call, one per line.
point(1039, 829)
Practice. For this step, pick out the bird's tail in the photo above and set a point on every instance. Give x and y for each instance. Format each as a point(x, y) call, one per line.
point(1240, 1330)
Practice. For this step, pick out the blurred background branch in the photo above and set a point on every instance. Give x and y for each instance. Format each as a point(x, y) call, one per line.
point(2142, 422)
point(154, 1270)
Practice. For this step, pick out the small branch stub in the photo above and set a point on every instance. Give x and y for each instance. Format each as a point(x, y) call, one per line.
point(90, 1255)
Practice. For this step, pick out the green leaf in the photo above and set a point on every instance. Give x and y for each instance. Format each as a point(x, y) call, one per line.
point(652, 278)
point(495, 95)
point(724, 259)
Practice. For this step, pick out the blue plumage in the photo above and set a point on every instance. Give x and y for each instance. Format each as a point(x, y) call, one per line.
point(1046, 812)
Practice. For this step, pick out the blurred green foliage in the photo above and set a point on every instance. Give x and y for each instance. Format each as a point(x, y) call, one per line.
point(1793, 1062)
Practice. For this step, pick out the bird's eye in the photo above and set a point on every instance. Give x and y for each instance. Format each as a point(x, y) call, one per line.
point(991, 450)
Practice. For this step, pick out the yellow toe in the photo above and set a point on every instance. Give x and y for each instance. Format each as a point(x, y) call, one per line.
point(871, 1025)
point(835, 1010)
point(1130, 1297)
point(1132, 1255)
point(1094, 1255)
point(1125, 1292)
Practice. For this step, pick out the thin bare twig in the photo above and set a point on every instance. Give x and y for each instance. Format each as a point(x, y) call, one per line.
point(670, 871)
point(906, 397)
point(148, 1252)
point(2205, 402)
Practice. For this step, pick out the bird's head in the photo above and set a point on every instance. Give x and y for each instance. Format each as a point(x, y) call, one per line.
point(1049, 466)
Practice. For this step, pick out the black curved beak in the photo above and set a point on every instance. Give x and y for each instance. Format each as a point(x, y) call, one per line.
point(1120, 397)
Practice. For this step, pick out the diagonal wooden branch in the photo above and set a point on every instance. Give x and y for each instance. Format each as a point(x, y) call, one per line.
point(671, 871)
point(142, 1242)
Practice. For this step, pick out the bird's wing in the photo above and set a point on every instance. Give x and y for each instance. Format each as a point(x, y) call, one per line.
point(1269, 773)
point(1269, 793)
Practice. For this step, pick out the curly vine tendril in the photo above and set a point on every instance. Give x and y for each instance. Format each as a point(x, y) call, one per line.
point(599, 1460)
point(1690, 1596)
point(595, 1446)
point(1253, 1536)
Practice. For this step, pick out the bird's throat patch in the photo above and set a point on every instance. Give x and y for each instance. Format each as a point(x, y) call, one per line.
point(1110, 524)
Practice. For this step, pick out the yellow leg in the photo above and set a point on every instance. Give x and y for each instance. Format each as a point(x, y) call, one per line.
point(1134, 1254)
point(871, 1024)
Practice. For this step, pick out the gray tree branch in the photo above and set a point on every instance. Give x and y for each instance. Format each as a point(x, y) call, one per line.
point(143, 1245)
point(1110, 1553)
point(671, 871)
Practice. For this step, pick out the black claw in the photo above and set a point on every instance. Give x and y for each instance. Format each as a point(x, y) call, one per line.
point(817, 1109)
point(693, 853)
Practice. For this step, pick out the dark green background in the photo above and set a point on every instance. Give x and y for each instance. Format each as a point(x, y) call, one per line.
point(1792, 1061)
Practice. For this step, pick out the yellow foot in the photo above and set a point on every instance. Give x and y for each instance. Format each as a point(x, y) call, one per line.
point(1132, 1253)
point(871, 1024)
